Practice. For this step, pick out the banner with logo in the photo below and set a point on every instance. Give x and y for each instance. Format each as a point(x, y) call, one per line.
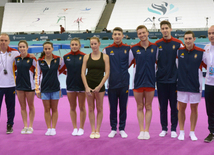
point(182, 14)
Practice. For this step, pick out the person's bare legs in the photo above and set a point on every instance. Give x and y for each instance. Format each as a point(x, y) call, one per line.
point(181, 119)
point(99, 106)
point(30, 100)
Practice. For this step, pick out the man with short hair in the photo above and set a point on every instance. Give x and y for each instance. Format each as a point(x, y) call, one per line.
point(190, 61)
point(118, 82)
point(167, 78)
point(209, 83)
point(7, 82)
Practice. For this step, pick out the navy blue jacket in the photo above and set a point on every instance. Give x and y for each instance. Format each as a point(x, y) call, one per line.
point(145, 65)
point(47, 77)
point(25, 71)
point(189, 63)
point(167, 70)
point(73, 63)
point(119, 64)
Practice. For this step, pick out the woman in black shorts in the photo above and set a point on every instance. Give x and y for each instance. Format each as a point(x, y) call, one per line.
point(97, 64)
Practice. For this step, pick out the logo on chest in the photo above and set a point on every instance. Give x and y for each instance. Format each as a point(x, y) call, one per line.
point(195, 56)
point(111, 53)
point(68, 59)
point(182, 55)
point(18, 60)
point(42, 63)
point(138, 52)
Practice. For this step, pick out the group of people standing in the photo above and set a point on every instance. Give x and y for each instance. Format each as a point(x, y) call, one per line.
point(178, 76)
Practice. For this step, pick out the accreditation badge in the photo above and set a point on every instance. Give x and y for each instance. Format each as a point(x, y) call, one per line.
point(211, 71)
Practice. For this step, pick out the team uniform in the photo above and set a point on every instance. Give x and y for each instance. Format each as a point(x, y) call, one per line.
point(73, 65)
point(190, 74)
point(209, 85)
point(118, 83)
point(47, 81)
point(25, 73)
point(144, 70)
point(167, 80)
point(7, 82)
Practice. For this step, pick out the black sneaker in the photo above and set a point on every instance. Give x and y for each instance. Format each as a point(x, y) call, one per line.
point(9, 129)
point(209, 138)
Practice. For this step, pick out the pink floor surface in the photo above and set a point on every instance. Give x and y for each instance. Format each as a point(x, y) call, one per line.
point(64, 143)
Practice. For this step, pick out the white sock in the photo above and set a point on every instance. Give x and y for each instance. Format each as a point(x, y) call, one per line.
point(80, 132)
point(74, 133)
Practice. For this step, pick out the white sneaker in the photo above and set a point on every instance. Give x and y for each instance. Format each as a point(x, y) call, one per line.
point(146, 135)
point(173, 134)
point(112, 134)
point(24, 130)
point(80, 132)
point(163, 133)
point(181, 136)
point(193, 136)
point(48, 133)
point(141, 135)
point(123, 134)
point(30, 130)
point(53, 132)
point(75, 131)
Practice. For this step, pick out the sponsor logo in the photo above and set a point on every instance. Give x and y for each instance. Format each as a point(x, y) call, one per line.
point(37, 19)
point(69, 37)
point(195, 56)
point(111, 53)
point(42, 63)
point(138, 52)
point(18, 38)
point(86, 9)
point(65, 9)
point(60, 18)
point(43, 37)
point(163, 8)
point(78, 20)
point(45, 9)
point(182, 55)
point(68, 59)
point(160, 48)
